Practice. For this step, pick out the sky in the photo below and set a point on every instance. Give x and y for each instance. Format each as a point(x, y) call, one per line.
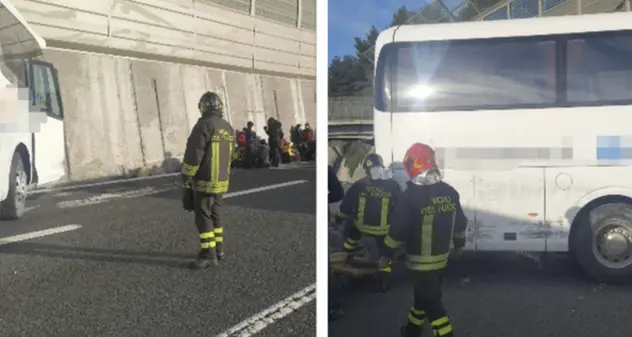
point(351, 18)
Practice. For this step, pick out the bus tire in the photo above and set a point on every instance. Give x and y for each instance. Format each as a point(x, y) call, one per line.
point(14, 205)
point(602, 243)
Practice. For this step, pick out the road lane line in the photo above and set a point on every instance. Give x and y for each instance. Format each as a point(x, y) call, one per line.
point(263, 188)
point(107, 182)
point(260, 321)
point(147, 191)
point(38, 234)
point(101, 183)
point(105, 197)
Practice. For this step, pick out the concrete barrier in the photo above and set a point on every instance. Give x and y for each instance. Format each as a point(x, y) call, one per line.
point(128, 116)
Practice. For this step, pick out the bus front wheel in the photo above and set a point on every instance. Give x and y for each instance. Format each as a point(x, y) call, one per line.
point(602, 243)
point(15, 203)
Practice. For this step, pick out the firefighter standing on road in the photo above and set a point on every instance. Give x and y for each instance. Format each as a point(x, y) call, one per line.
point(367, 205)
point(426, 219)
point(206, 168)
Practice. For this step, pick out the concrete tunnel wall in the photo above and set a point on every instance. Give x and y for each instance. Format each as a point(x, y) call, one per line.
point(130, 114)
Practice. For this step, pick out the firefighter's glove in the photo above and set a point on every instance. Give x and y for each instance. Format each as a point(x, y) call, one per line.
point(187, 199)
point(383, 263)
point(186, 180)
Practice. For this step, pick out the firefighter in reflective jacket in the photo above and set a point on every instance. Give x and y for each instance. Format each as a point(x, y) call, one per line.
point(367, 205)
point(206, 168)
point(427, 218)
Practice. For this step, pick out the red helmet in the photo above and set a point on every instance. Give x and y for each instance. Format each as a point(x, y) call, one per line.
point(419, 158)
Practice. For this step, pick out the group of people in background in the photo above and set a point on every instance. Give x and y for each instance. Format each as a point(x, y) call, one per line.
point(255, 152)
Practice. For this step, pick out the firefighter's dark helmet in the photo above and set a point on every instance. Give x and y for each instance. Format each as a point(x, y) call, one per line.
point(373, 160)
point(210, 102)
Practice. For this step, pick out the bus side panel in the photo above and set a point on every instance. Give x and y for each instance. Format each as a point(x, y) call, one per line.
point(510, 209)
point(571, 188)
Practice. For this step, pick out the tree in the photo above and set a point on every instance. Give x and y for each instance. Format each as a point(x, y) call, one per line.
point(345, 74)
point(353, 75)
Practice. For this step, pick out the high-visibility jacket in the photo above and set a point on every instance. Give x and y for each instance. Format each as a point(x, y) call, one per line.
point(209, 154)
point(427, 219)
point(369, 203)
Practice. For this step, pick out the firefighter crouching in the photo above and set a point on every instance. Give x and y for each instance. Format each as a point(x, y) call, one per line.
point(206, 169)
point(426, 219)
point(367, 204)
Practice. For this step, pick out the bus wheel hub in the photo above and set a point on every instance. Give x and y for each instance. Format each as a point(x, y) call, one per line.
point(615, 245)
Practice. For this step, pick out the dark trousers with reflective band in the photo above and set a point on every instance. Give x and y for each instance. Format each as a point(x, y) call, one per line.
point(207, 219)
point(428, 305)
point(353, 235)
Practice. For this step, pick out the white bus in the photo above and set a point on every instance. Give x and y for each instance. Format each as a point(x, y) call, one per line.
point(31, 152)
point(532, 123)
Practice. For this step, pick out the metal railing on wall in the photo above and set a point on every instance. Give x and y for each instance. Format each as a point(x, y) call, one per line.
point(297, 13)
point(440, 11)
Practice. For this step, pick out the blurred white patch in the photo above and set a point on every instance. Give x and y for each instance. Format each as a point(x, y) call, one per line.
point(380, 173)
point(15, 116)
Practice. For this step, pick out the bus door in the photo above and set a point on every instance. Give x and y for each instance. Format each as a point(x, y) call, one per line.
point(49, 150)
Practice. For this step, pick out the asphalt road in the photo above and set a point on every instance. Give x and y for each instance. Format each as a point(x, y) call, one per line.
point(498, 295)
point(124, 271)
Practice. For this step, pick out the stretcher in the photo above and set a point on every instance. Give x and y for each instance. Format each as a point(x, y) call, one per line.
point(347, 267)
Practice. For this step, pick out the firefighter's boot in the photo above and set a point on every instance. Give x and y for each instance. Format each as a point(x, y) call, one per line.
point(384, 278)
point(411, 330)
point(442, 327)
point(206, 258)
point(219, 250)
point(416, 320)
point(219, 242)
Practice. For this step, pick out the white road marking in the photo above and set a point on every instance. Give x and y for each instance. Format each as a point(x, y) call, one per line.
point(102, 183)
point(105, 197)
point(147, 191)
point(38, 234)
point(30, 208)
point(263, 188)
point(260, 321)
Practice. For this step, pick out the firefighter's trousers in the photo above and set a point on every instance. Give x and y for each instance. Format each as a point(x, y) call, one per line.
point(353, 235)
point(428, 306)
point(207, 221)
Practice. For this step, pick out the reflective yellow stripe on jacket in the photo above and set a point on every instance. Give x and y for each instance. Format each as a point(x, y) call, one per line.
point(189, 170)
point(220, 160)
point(369, 229)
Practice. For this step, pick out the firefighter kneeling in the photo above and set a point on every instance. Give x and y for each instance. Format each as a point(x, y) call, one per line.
point(367, 205)
point(426, 219)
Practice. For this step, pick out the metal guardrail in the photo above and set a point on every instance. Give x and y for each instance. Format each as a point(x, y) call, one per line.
point(350, 130)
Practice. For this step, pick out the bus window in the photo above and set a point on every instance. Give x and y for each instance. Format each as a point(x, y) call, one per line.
point(45, 89)
point(472, 75)
point(600, 69)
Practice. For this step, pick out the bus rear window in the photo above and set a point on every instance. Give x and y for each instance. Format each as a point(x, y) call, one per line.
point(469, 75)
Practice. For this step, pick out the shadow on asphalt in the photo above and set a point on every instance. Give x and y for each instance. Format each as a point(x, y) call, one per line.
point(171, 260)
point(493, 268)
